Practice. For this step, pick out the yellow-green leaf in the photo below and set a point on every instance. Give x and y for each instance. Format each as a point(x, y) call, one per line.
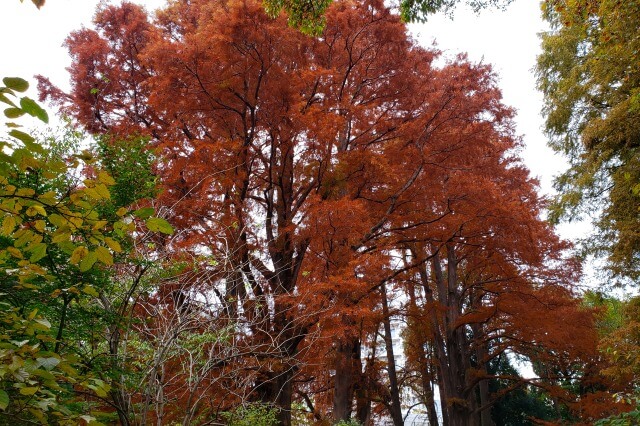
point(56, 220)
point(104, 255)
point(14, 252)
point(78, 254)
point(113, 244)
point(25, 192)
point(16, 83)
point(90, 291)
point(36, 209)
point(88, 261)
point(28, 140)
point(40, 225)
point(99, 225)
point(32, 108)
point(61, 236)
point(13, 113)
point(38, 251)
point(156, 224)
point(8, 225)
point(103, 191)
point(28, 390)
point(144, 213)
point(106, 178)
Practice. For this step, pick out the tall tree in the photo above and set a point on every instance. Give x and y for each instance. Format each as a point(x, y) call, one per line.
point(588, 73)
point(296, 168)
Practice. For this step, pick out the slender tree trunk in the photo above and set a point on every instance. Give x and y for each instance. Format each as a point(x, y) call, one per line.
point(483, 387)
point(363, 398)
point(395, 408)
point(429, 400)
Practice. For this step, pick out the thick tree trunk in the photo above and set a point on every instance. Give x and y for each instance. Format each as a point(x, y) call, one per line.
point(451, 344)
point(277, 390)
point(347, 356)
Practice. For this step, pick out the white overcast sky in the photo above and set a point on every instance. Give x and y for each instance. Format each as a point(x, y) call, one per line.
point(507, 39)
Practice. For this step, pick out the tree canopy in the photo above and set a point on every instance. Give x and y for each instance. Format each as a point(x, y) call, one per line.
point(589, 75)
point(314, 183)
point(263, 217)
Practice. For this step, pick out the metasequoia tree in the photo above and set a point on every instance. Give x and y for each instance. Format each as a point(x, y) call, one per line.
point(306, 177)
point(589, 75)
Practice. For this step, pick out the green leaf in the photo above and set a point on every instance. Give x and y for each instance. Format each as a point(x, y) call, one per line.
point(16, 83)
point(144, 213)
point(43, 374)
point(4, 400)
point(32, 108)
point(156, 224)
point(28, 140)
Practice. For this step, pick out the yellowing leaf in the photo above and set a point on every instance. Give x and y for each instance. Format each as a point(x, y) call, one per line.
point(91, 192)
point(23, 237)
point(103, 191)
point(8, 225)
point(36, 209)
point(78, 254)
point(76, 221)
point(56, 220)
point(104, 255)
point(122, 211)
point(40, 225)
point(28, 390)
point(61, 236)
point(25, 192)
point(113, 244)
point(16, 83)
point(90, 291)
point(106, 178)
point(14, 252)
point(99, 225)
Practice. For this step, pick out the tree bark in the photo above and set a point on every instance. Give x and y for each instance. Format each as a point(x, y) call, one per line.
point(394, 407)
point(347, 356)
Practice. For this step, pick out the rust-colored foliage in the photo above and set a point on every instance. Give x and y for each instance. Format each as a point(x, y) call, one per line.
point(314, 178)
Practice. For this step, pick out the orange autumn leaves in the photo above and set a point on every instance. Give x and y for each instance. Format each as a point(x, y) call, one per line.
point(313, 171)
